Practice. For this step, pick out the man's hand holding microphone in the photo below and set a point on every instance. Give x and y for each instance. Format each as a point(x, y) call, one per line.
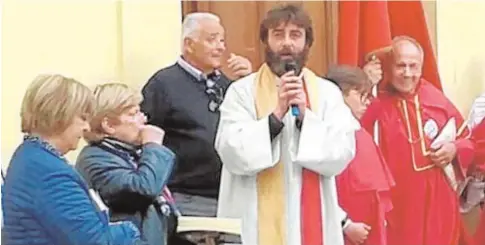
point(291, 93)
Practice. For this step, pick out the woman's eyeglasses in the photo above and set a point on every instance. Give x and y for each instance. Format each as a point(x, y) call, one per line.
point(366, 98)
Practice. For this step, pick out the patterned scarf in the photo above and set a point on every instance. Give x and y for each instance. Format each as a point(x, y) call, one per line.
point(133, 153)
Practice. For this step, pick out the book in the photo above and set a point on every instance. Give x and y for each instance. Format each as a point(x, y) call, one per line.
point(447, 134)
point(209, 224)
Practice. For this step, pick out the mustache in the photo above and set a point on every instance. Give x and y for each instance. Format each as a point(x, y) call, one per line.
point(285, 52)
point(277, 64)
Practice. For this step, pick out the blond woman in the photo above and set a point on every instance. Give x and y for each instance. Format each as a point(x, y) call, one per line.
point(126, 163)
point(45, 201)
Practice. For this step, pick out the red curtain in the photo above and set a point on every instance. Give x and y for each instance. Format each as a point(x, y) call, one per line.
point(363, 27)
point(369, 25)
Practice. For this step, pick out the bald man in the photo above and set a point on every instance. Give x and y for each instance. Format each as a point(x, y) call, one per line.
point(411, 113)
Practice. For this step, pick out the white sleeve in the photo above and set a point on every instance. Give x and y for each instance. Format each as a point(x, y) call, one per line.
point(242, 141)
point(343, 216)
point(326, 144)
point(477, 112)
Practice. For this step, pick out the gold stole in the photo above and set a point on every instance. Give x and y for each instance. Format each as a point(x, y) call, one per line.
point(415, 130)
point(270, 182)
point(423, 145)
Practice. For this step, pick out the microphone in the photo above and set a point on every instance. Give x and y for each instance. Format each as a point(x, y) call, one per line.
point(291, 66)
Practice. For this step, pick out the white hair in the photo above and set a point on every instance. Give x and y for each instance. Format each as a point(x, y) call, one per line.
point(409, 39)
point(191, 24)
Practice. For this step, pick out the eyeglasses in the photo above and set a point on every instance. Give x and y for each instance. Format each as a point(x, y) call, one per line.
point(366, 97)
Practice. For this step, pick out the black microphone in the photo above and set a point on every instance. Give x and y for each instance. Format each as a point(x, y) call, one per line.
point(292, 66)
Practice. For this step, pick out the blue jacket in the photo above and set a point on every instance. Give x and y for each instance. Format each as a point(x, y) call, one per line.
point(130, 187)
point(46, 202)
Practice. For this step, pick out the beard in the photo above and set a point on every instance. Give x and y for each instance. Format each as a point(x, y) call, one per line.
point(277, 64)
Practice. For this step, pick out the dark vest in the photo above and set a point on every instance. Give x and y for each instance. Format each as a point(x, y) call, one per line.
point(183, 106)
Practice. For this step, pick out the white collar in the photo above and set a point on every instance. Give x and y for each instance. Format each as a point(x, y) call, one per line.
point(194, 71)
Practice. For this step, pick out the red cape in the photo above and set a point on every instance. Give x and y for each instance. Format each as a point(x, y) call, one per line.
point(425, 207)
point(363, 188)
point(368, 170)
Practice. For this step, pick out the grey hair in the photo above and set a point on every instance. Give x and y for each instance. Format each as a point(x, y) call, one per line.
point(411, 40)
point(191, 22)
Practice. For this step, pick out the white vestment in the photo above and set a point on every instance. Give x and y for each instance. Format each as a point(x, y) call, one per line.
point(325, 144)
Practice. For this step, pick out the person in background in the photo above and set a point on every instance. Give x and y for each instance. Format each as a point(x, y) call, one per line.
point(45, 201)
point(476, 184)
point(184, 100)
point(474, 194)
point(363, 187)
point(478, 138)
point(126, 163)
point(278, 168)
point(411, 113)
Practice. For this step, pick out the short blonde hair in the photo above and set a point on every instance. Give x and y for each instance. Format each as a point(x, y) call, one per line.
point(51, 103)
point(112, 99)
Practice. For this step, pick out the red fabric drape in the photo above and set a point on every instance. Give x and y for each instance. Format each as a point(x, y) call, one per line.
point(408, 18)
point(363, 27)
point(368, 25)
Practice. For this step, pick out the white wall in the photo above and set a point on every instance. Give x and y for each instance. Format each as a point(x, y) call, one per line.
point(92, 41)
point(461, 50)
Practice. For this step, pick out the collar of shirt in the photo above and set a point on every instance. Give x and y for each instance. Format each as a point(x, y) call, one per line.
point(199, 75)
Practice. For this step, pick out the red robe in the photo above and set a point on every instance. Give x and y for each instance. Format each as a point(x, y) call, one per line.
point(425, 207)
point(478, 138)
point(363, 188)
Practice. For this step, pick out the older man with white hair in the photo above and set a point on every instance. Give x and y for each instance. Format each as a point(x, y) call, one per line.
point(412, 114)
point(184, 100)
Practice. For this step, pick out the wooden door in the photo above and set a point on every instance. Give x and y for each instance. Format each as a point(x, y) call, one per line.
point(241, 21)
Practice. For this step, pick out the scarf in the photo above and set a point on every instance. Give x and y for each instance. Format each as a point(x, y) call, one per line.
point(133, 153)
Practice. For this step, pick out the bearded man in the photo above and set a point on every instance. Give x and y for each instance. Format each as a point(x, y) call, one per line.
point(279, 166)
